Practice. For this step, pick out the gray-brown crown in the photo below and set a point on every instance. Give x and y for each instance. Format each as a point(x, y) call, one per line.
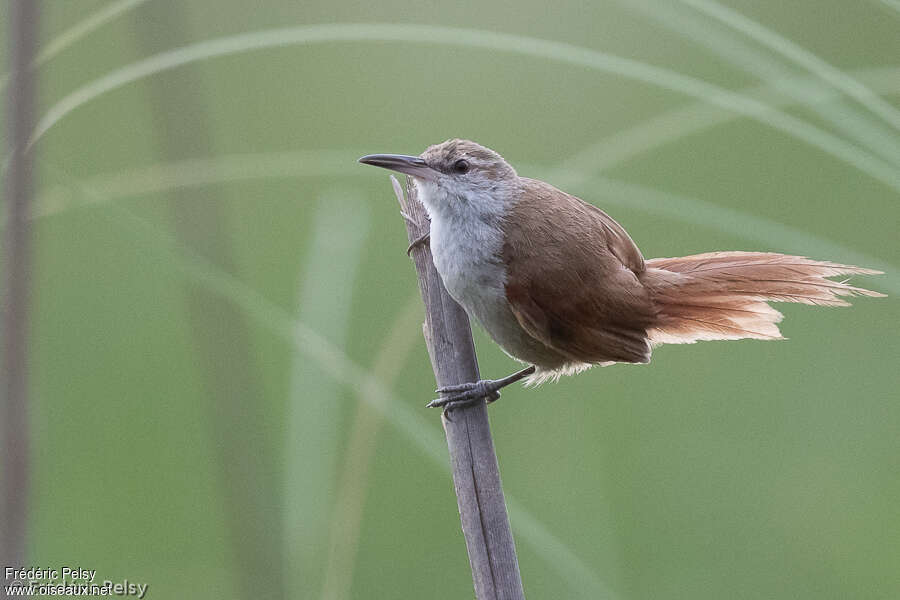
point(444, 156)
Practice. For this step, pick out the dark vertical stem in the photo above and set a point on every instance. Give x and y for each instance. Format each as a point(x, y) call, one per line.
point(221, 335)
point(476, 474)
point(17, 250)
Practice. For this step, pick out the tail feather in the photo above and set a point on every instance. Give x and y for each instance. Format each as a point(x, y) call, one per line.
point(724, 295)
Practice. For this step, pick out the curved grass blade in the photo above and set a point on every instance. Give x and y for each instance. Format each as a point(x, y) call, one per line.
point(801, 56)
point(473, 38)
point(314, 415)
point(79, 30)
point(680, 122)
point(853, 123)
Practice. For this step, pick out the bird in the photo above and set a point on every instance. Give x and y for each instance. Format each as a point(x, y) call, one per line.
point(560, 286)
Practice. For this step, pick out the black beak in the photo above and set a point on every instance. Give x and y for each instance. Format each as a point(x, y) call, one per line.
point(409, 165)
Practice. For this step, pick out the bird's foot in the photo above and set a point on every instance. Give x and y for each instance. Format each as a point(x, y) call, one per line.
point(466, 394)
point(422, 239)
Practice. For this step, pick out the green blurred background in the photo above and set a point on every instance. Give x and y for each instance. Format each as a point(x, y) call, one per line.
point(228, 375)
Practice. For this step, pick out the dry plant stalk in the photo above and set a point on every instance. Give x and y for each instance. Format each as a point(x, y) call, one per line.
point(19, 189)
point(476, 474)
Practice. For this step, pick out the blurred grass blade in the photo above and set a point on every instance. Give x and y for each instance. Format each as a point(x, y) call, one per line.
point(220, 334)
point(574, 170)
point(473, 38)
point(672, 125)
point(350, 499)
point(77, 31)
point(198, 172)
point(854, 124)
point(84, 27)
point(801, 56)
point(314, 424)
point(556, 552)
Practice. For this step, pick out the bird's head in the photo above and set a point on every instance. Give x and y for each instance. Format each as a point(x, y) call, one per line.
point(455, 176)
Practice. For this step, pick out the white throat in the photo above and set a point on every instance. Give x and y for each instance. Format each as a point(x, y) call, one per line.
point(467, 238)
point(467, 245)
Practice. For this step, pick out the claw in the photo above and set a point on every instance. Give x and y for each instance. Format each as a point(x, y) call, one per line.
point(423, 239)
point(446, 413)
point(451, 406)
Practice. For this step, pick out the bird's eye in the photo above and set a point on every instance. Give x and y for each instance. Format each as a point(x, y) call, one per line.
point(461, 166)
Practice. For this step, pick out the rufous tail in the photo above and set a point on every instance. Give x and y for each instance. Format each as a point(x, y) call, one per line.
point(724, 295)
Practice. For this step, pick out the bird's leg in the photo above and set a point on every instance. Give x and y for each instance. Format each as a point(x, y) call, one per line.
point(422, 239)
point(465, 394)
point(419, 240)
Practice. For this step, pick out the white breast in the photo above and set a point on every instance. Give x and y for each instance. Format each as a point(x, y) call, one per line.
point(467, 256)
point(467, 247)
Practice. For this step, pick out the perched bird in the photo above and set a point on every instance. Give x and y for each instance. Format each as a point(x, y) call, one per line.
point(560, 285)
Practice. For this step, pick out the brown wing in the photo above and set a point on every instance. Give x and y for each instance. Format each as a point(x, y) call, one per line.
point(572, 278)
